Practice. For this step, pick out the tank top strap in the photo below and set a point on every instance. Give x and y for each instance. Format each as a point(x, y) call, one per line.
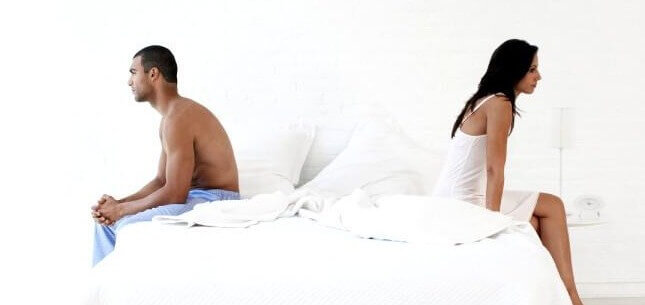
point(479, 105)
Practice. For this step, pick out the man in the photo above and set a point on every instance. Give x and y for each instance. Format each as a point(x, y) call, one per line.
point(196, 164)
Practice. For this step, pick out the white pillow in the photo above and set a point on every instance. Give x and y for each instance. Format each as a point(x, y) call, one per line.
point(381, 160)
point(270, 157)
point(332, 136)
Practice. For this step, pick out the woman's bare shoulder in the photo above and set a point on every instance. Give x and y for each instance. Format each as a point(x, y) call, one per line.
point(500, 105)
point(500, 99)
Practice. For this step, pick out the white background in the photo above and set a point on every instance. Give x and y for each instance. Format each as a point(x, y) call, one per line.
point(71, 131)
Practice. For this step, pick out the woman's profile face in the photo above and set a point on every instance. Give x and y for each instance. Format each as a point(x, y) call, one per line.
point(528, 83)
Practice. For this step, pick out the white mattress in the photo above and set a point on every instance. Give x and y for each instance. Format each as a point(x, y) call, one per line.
point(297, 261)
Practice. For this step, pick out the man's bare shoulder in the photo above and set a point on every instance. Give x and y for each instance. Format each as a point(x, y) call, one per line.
point(179, 117)
point(187, 109)
point(188, 115)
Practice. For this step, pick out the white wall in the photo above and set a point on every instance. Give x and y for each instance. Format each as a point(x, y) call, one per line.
point(71, 130)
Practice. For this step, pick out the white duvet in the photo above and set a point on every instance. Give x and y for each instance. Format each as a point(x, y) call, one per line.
point(406, 218)
point(295, 260)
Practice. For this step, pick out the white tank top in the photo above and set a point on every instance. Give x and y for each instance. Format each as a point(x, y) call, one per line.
point(464, 173)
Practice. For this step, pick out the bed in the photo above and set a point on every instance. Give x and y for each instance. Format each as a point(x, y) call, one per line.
point(289, 259)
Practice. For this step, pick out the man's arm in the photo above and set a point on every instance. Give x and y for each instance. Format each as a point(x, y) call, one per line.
point(498, 122)
point(148, 189)
point(153, 185)
point(180, 162)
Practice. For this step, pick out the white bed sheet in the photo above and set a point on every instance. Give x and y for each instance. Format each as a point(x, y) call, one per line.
point(297, 261)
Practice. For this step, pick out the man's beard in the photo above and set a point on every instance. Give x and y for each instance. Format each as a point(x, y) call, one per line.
point(139, 97)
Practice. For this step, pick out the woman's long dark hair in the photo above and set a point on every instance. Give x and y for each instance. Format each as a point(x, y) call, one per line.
point(508, 65)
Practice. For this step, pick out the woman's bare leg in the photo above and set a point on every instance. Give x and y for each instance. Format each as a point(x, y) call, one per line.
point(555, 237)
point(535, 222)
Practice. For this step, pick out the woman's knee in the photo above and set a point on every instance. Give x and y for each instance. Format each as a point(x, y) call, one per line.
point(549, 205)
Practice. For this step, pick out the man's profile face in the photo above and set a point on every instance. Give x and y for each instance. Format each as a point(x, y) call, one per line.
point(138, 82)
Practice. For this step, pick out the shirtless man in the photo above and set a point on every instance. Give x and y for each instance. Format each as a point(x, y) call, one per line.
point(196, 164)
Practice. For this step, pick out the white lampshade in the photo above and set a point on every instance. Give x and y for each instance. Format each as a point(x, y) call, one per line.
point(562, 122)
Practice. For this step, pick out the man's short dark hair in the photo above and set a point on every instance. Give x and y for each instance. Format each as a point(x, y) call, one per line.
point(161, 58)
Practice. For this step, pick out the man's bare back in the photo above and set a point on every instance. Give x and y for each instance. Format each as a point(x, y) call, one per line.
point(214, 164)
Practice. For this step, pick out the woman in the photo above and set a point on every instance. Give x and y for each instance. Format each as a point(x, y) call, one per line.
point(475, 163)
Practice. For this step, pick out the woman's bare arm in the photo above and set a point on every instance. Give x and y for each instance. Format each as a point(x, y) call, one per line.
point(498, 122)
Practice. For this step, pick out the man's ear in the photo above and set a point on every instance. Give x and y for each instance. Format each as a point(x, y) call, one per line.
point(153, 73)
